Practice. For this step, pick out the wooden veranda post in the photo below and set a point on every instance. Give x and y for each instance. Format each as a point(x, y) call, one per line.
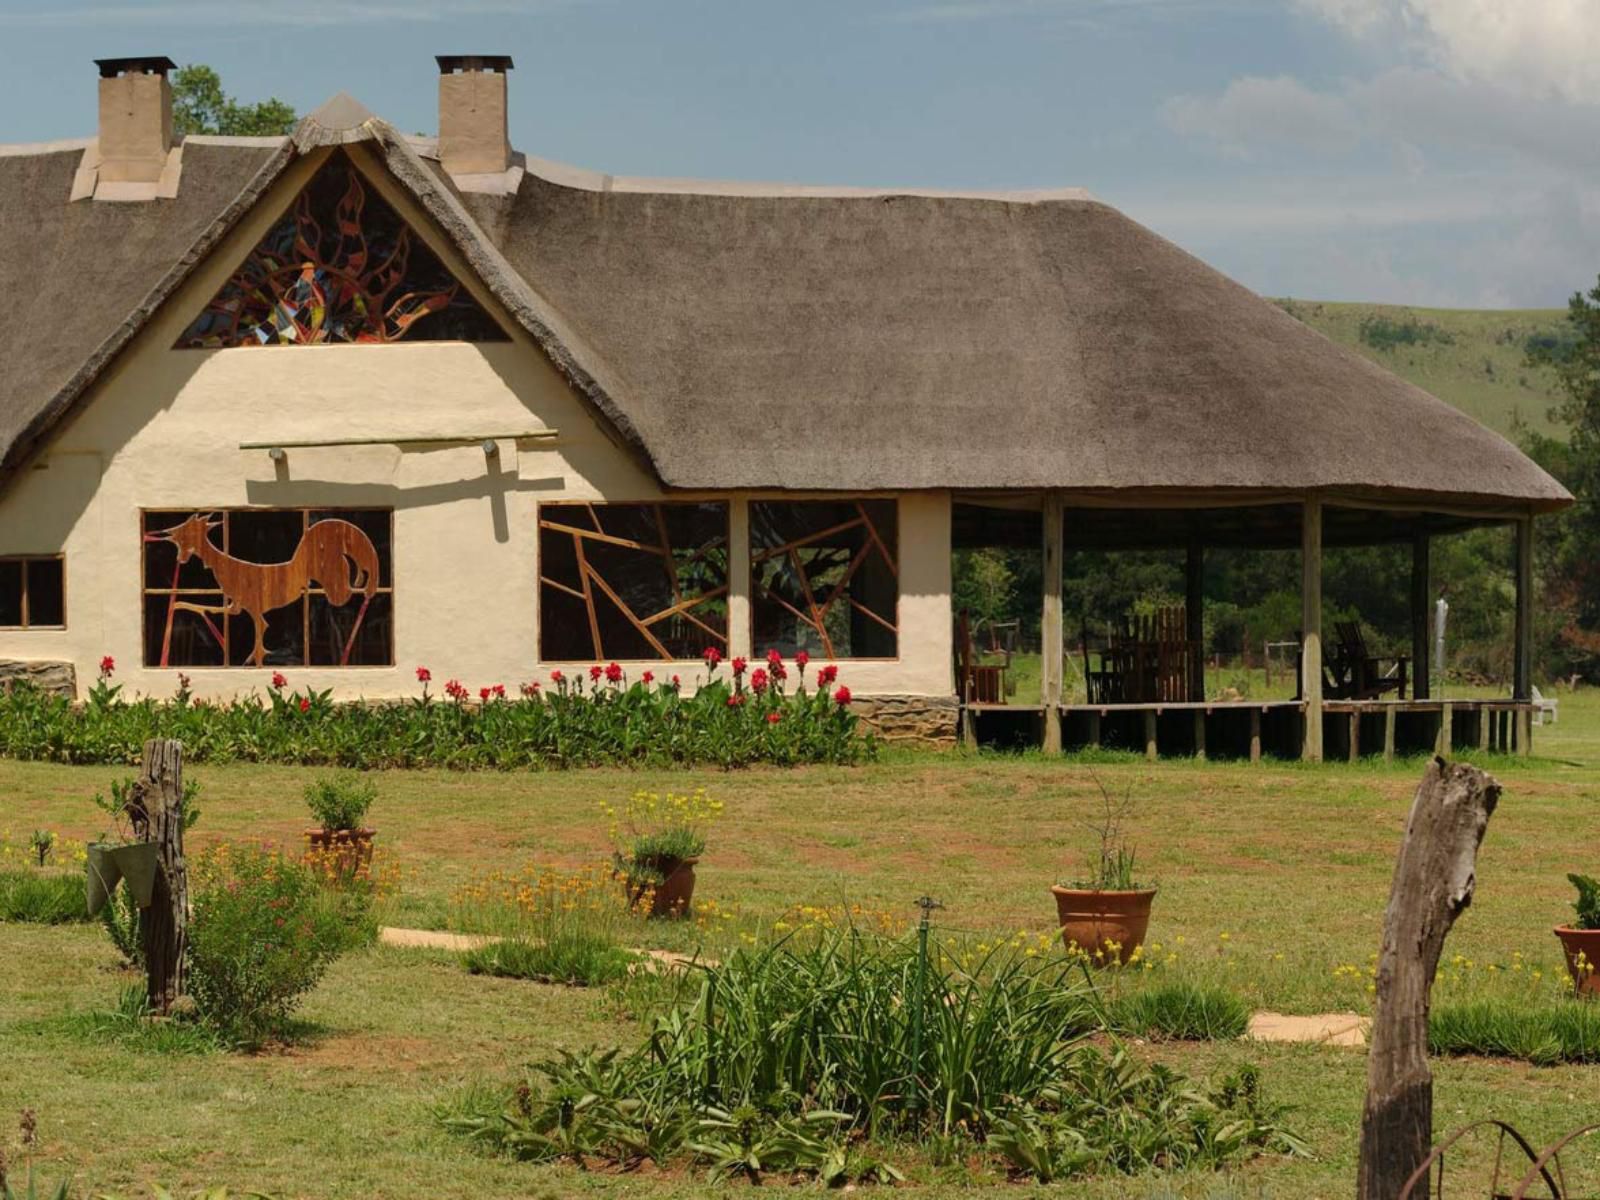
point(1194, 599)
point(1433, 884)
point(1051, 645)
point(1420, 593)
point(155, 810)
point(1311, 625)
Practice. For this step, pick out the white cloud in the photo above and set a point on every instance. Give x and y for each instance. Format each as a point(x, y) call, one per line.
point(1256, 113)
point(1540, 48)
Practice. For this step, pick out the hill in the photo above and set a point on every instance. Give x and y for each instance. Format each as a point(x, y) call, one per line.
point(1473, 359)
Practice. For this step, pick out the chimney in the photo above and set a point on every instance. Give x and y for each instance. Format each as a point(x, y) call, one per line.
point(472, 113)
point(135, 118)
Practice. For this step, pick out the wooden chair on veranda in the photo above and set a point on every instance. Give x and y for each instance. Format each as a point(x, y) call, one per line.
point(978, 682)
point(1355, 673)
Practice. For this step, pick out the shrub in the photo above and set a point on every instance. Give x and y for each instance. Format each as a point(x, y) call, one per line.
point(579, 958)
point(340, 801)
point(1539, 1032)
point(566, 725)
point(1586, 908)
point(1182, 1011)
point(547, 925)
point(263, 931)
point(42, 897)
point(798, 1056)
point(1385, 333)
point(120, 917)
point(1112, 1113)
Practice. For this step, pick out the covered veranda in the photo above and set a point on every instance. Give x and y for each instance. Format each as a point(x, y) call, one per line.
point(1149, 691)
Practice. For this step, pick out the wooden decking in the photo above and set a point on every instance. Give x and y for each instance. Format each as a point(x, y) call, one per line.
point(1253, 729)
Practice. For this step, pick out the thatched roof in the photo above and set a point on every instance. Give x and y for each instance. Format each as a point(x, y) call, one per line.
point(739, 337)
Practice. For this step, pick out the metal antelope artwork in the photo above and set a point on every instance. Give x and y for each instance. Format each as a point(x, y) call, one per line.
point(333, 554)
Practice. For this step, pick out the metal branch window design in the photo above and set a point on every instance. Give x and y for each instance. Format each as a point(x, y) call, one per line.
point(258, 587)
point(824, 577)
point(341, 266)
point(33, 593)
point(639, 581)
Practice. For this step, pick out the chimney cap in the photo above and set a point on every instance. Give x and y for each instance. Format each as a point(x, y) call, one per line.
point(154, 64)
point(450, 63)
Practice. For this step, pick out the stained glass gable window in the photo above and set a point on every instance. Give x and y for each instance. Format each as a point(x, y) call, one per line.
point(340, 266)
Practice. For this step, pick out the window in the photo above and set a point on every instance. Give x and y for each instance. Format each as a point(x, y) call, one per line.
point(260, 587)
point(33, 593)
point(632, 580)
point(824, 577)
point(341, 266)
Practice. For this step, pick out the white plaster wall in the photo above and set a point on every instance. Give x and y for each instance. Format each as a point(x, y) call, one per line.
point(162, 430)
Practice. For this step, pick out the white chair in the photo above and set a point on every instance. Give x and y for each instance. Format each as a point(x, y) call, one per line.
point(1542, 707)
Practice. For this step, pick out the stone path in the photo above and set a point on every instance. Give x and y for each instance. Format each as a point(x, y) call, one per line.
point(1328, 1029)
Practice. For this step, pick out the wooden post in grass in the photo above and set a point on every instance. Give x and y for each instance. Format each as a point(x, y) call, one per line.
point(1433, 882)
point(156, 812)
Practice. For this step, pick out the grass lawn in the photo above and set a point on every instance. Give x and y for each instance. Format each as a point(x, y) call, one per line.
point(1271, 878)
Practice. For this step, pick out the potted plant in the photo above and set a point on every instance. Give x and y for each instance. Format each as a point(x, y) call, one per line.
point(1580, 941)
point(656, 842)
point(1108, 912)
point(116, 856)
point(339, 803)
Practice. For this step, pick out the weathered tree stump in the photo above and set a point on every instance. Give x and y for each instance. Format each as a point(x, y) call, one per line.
point(155, 810)
point(1433, 883)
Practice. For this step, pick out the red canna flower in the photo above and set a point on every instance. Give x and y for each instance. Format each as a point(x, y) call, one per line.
point(107, 666)
point(774, 658)
point(713, 656)
point(758, 680)
point(649, 678)
point(735, 700)
point(801, 658)
point(614, 674)
point(556, 676)
point(676, 682)
point(739, 665)
point(531, 689)
point(842, 697)
point(455, 690)
point(424, 676)
point(774, 717)
point(278, 681)
point(595, 673)
point(779, 672)
point(827, 675)
point(305, 705)
point(499, 691)
point(483, 695)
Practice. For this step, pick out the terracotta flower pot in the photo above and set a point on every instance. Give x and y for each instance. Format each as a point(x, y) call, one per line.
point(1090, 919)
point(673, 897)
point(1585, 976)
point(350, 849)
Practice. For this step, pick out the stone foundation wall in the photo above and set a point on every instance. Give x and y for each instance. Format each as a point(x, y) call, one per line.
point(916, 720)
point(57, 678)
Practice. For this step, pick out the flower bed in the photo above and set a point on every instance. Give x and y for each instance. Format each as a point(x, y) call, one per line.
point(599, 717)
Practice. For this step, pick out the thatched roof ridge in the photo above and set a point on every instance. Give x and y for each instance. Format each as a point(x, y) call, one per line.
point(744, 337)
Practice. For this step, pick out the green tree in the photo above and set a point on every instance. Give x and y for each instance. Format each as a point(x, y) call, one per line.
point(199, 105)
point(1569, 560)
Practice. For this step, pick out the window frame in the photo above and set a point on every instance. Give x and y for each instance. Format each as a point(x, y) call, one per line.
point(24, 560)
point(892, 552)
point(305, 511)
point(541, 581)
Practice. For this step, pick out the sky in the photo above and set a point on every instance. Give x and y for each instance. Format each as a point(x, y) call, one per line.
point(1430, 152)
